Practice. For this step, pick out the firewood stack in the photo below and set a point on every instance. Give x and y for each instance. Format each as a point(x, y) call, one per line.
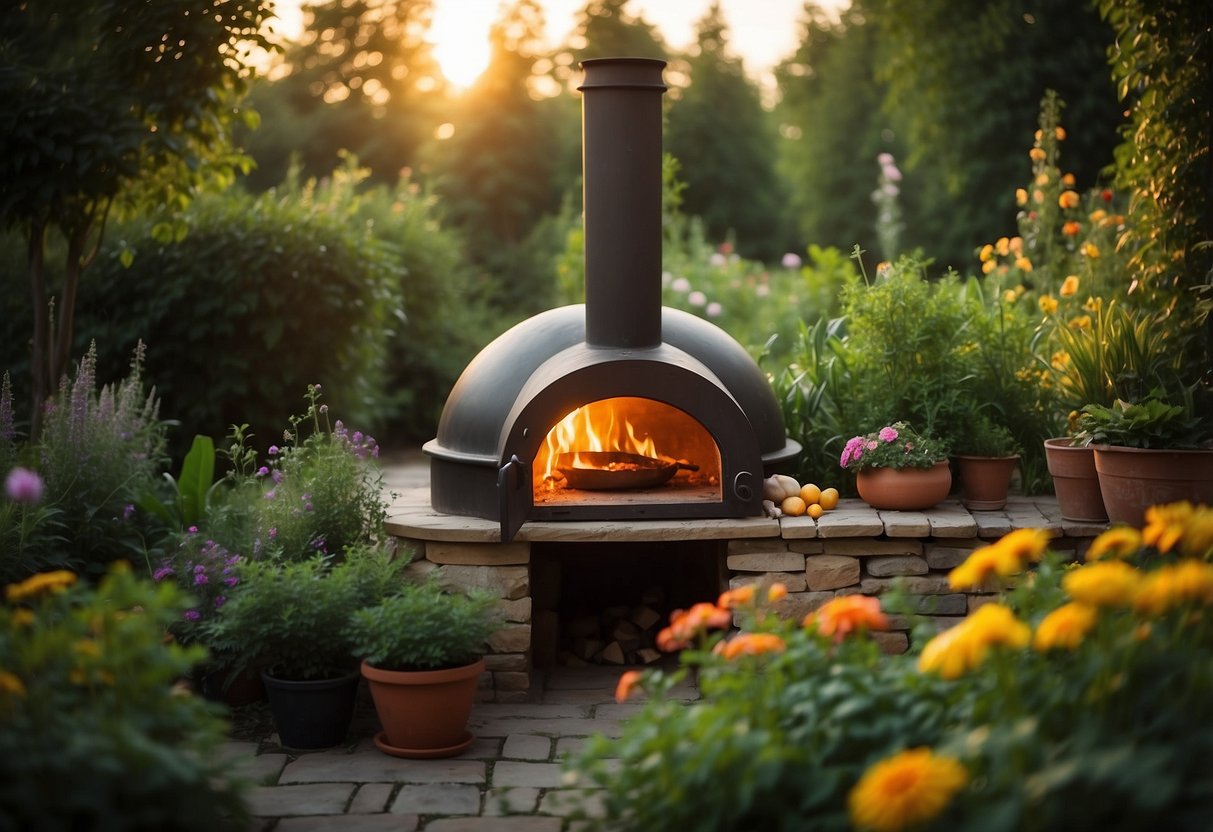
point(619, 635)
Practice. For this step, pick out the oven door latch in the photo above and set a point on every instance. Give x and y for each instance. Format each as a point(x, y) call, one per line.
point(514, 495)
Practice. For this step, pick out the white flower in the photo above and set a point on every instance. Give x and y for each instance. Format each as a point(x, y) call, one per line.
point(717, 259)
point(791, 260)
point(697, 299)
point(714, 309)
point(681, 284)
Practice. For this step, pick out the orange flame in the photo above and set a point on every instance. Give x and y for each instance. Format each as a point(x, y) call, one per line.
point(598, 426)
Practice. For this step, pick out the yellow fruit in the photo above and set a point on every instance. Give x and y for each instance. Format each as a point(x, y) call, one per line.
point(816, 510)
point(810, 494)
point(793, 506)
point(829, 499)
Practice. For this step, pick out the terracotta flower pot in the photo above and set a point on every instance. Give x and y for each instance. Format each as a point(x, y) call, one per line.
point(1133, 479)
point(1075, 481)
point(985, 480)
point(424, 714)
point(904, 489)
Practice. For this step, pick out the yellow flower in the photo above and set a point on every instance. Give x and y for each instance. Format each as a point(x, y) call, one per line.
point(986, 254)
point(1198, 534)
point(1098, 214)
point(1048, 304)
point(905, 790)
point(1059, 360)
point(1042, 178)
point(1021, 196)
point(1069, 199)
point(1165, 525)
point(1065, 627)
point(1090, 250)
point(1009, 296)
point(964, 646)
point(1004, 558)
point(1081, 322)
point(989, 266)
point(1111, 583)
point(1069, 286)
point(1023, 264)
point(1015, 244)
point(11, 684)
point(23, 617)
point(1036, 154)
point(1003, 246)
point(1093, 304)
point(1187, 582)
point(1119, 542)
point(42, 582)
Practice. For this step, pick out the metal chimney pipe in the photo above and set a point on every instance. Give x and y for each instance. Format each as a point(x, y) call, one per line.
point(621, 164)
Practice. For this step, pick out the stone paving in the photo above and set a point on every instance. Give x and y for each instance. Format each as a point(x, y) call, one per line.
point(512, 779)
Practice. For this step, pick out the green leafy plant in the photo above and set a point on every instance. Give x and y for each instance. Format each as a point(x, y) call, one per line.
point(1151, 423)
point(424, 628)
point(289, 617)
point(980, 435)
point(94, 729)
point(894, 446)
point(190, 491)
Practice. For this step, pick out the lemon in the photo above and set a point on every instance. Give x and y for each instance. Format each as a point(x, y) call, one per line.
point(815, 510)
point(793, 506)
point(829, 499)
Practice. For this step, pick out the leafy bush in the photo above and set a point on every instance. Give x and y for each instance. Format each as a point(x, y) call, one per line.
point(424, 628)
point(94, 732)
point(1080, 697)
point(290, 617)
point(263, 295)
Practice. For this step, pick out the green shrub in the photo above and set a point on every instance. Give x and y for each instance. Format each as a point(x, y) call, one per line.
point(261, 297)
point(1080, 698)
point(95, 735)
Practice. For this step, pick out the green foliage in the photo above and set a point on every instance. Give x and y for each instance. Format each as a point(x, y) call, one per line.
point(979, 435)
point(1162, 64)
point(424, 627)
point(94, 732)
point(725, 145)
point(263, 296)
point(189, 494)
point(112, 105)
point(1057, 725)
point(289, 617)
point(1149, 423)
point(324, 493)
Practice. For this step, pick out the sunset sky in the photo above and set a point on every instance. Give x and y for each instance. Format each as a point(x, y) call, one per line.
point(763, 31)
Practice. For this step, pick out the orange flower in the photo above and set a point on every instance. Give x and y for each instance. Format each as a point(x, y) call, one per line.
point(1071, 229)
point(1016, 244)
point(1187, 582)
point(986, 254)
point(1090, 250)
point(1021, 196)
point(734, 598)
point(668, 642)
point(1119, 542)
point(1068, 180)
point(1042, 179)
point(750, 644)
point(686, 625)
point(905, 790)
point(1098, 214)
point(1110, 583)
point(1048, 304)
point(1036, 154)
point(847, 614)
point(1003, 246)
point(627, 683)
point(777, 592)
point(1069, 286)
point(989, 266)
point(1069, 199)
point(1165, 525)
point(1023, 264)
point(1060, 133)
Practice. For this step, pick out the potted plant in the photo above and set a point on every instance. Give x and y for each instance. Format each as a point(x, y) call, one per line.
point(290, 620)
point(1148, 453)
point(897, 468)
point(423, 651)
point(986, 455)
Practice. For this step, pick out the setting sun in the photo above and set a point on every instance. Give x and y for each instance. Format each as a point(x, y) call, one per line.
point(460, 35)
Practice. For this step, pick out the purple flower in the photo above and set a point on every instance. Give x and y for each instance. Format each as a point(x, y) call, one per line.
point(23, 486)
point(262, 471)
point(791, 260)
point(191, 615)
point(888, 434)
point(162, 573)
point(273, 451)
point(200, 579)
point(220, 600)
point(128, 511)
point(230, 581)
point(192, 530)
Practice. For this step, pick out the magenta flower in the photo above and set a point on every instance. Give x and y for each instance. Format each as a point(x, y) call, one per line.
point(888, 434)
point(23, 486)
point(852, 451)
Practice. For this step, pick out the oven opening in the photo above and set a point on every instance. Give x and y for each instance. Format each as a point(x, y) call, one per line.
point(625, 449)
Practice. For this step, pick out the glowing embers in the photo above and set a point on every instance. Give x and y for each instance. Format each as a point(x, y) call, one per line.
point(627, 445)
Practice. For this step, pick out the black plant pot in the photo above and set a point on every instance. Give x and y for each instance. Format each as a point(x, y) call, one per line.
point(312, 714)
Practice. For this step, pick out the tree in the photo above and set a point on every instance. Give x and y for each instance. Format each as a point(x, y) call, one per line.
point(605, 29)
point(362, 78)
point(725, 146)
point(107, 106)
point(832, 129)
point(964, 85)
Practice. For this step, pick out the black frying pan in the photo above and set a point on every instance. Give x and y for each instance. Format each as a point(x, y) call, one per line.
point(632, 471)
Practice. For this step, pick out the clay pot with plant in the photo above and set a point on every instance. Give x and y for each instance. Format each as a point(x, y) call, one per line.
point(985, 455)
point(899, 469)
point(422, 652)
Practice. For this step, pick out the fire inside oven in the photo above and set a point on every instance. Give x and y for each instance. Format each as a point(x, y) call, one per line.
point(627, 444)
